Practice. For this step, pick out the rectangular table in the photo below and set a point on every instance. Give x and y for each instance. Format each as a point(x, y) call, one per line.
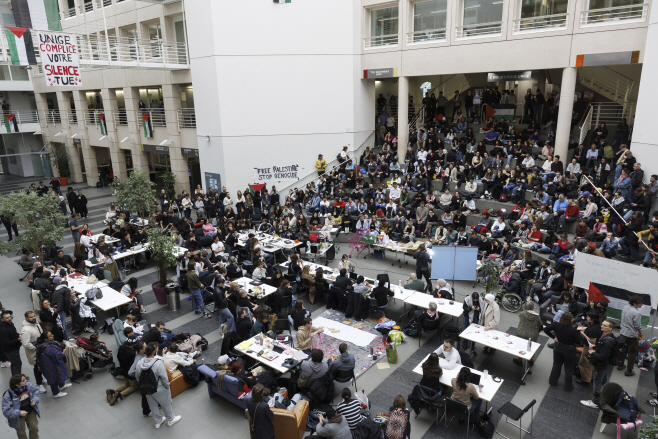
point(244, 282)
point(277, 363)
point(346, 332)
point(501, 341)
point(111, 299)
point(423, 300)
point(489, 389)
point(108, 239)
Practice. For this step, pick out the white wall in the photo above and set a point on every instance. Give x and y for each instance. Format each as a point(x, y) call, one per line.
point(281, 93)
point(21, 143)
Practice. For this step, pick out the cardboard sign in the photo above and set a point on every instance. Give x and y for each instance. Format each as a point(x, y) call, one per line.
point(60, 60)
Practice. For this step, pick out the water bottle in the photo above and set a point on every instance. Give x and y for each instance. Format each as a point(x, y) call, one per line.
point(400, 285)
point(203, 360)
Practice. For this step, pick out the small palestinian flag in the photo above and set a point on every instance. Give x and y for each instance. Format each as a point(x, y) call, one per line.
point(282, 1)
point(617, 299)
point(102, 123)
point(146, 123)
point(21, 49)
point(253, 188)
point(501, 111)
point(36, 14)
point(11, 126)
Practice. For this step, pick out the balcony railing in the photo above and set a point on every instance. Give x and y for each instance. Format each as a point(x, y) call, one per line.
point(380, 41)
point(479, 30)
point(53, 116)
point(541, 23)
point(88, 6)
point(24, 116)
point(156, 116)
point(120, 117)
point(97, 50)
point(426, 36)
point(186, 118)
point(69, 13)
point(73, 116)
point(614, 15)
point(90, 116)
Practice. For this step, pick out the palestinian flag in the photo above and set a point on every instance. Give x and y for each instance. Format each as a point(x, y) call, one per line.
point(253, 188)
point(21, 49)
point(102, 123)
point(11, 126)
point(501, 111)
point(146, 123)
point(36, 14)
point(617, 299)
point(282, 1)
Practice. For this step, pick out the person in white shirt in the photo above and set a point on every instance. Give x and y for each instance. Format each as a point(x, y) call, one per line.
point(173, 358)
point(391, 207)
point(131, 322)
point(260, 272)
point(217, 248)
point(498, 227)
point(528, 162)
point(394, 192)
point(85, 240)
point(448, 355)
point(422, 155)
point(573, 167)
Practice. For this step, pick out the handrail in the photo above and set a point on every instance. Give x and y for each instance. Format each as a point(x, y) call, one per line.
point(586, 123)
point(479, 29)
point(604, 16)
point(333, 163)
point(186, 118)
point(529, 24)
point(611, 82)
point(426, 36)
point(384, 40)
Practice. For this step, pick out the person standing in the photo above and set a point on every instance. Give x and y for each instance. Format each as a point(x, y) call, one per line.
point(81, 205)
point(423, 265)
point(630, 328)
point(75, 227)
point(20, 405)
point(9, 223)
point(30, 333)
point(490, 318)
point(161, 398)
point(195, 286)
point(320, 164)
point(52, 360)
point(530, 325)
point(10, 342)
point(70, 198)
point(564, 350)
point(260, 415)
point(472, 310)
point(600, 356)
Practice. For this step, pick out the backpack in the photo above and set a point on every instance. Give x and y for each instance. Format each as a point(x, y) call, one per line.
point(397, 422)
point(148, 382)
point(620, 350)
point(412, 329)
point(94, 293)
point(626, 406)
point(339, 158)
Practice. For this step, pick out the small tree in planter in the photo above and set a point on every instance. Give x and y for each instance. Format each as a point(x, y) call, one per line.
point(134, 194)
point(169, 184)
point(40, 219)
point(490, 271)
point(60, 158)
point(163, 252)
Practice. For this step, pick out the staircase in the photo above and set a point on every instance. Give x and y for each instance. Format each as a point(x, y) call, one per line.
point(607, 83)
point(448, 87)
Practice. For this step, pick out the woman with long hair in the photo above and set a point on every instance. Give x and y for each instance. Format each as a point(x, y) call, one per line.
point(52, 360)
point(432, 373)
point(398, 426)
point(463, 391)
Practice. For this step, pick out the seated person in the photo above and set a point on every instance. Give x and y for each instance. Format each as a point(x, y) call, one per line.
point(131, 322)
point(95, 342)
point(432, 373)
point(261, 325)
point(381, 293)
point(344, 361)
point(305, 334)
point(312, 369)
point(448, 355)
point(413, 283)
point(428, 314)
point(63, 260)
point(173, 359)
point(243, 325)
point(244, 302)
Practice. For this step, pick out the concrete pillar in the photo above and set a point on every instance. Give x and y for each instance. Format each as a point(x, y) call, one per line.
point(172, 102)
point(403, 116)
point(117, 156)
point(74, 154)
point(88, 151)
point(131, 99)
point(567, 93)
point(645, 143)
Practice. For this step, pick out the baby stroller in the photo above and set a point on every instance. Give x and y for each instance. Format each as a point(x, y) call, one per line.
point(94, 357)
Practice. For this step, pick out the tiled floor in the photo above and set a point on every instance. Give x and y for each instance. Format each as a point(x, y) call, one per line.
point(85, 413)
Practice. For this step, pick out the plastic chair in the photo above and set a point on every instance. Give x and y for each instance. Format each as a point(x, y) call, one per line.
point(461, 409)
point(428, 325)
point(516, 414)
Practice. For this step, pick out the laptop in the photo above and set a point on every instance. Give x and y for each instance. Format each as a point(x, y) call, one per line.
point(256, 283)
point(354, 276)
point(277, 349)
point(475, 379)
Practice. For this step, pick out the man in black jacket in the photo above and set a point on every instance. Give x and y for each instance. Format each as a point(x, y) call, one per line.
point(155, 335)
point(381, 293)
point(423, 266)
point(81, 205)
point(600, 356)
point(126, 357)
point(540, 276)
point(10, 342)
point(61, 301)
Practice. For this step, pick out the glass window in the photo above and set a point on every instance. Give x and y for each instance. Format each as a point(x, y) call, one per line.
point(482, 11)
point(538, 8)
point(601, 4)
point(430, 15)
point(384, 22)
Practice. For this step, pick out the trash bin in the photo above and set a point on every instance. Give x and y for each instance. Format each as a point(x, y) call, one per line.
point(173, 297)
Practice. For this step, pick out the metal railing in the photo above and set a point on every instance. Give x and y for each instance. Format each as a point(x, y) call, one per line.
point(74, 117)
point(156, 116)
point(120, 117)
point(186, 118)
point(448, 87)
point(613, 15)
point(98, 50)
point(90, 116)
point(541, 23)
point(611, 113)
point(606, 81)
point(380, 41)
point(585, 124)
point(479, 30)
point(88, 6)
point(418, 121)
point(426, 36)
point(53, 116)
point(69, 13)
point(25, 116)
point(313, 175)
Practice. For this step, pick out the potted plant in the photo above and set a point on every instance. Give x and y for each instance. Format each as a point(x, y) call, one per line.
point(135, 194)
point(169, 184)
point(60, 158)
point(490, 271)
point(650, 430)
point(163, 251)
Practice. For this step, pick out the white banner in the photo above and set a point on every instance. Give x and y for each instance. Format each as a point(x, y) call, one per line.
point(276, 173)
point(59, 59)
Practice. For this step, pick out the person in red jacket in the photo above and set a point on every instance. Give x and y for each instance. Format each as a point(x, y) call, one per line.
point(560, 247)
point(570, 215)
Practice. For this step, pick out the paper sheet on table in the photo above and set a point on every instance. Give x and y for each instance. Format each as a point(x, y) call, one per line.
point(347, 333)
point(245, 345)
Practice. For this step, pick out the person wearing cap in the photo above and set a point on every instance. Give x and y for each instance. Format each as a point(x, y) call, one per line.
point(592, 250)
point(320, 164)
